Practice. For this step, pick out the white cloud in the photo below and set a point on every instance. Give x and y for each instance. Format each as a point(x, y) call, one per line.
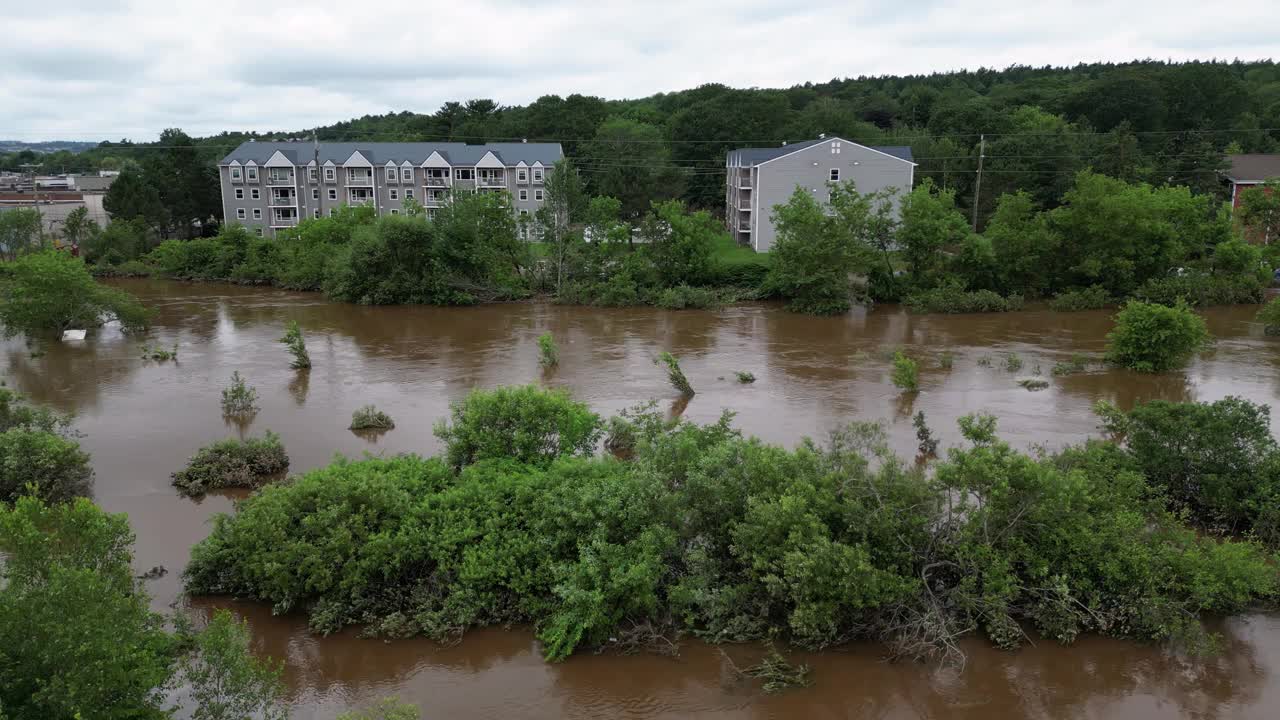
point(117, 69)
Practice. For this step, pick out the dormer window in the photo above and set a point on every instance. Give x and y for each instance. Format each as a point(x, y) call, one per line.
point(406, 174)
point(235, 174)
point(391, 174)
point(311, 174)
point(522, 175)
point(537, 174)
point(251, 173)
point(330, 174)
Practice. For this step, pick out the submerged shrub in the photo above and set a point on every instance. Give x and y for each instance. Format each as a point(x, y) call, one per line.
point(1201, 290)
point(1094, 297)
point(548, 352)
point(527, 424)
point(954, 299)
point(297, 346)
point(1012, 362)
point(1077, 363)
point(1154, 338)
point(159, 354)
point(1269, 316)
point(371, 418)
point(927, 443)
point(674, 374)
point(233, 464)
point(905, 372)
point(744, 377)
point(684, 297)
point(239, 398)
point(53, 468)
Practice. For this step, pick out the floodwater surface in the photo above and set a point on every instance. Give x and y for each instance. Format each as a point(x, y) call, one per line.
point(141, 420)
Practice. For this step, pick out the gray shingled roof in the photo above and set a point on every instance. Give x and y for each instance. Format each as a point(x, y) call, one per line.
point(1254, 168)
point(378, 153)
point(755, 156)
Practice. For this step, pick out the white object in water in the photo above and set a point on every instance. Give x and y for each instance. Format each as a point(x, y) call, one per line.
point(73, 335)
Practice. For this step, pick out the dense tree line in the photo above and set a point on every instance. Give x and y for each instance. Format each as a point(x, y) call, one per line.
point(1161, 123)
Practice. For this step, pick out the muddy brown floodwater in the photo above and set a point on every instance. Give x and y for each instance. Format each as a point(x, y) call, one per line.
point(142, 420)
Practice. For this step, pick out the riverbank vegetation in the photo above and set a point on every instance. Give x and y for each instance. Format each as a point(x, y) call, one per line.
point(46, 292)
point(706, 532)
point(233, 463)
point(38, 453)
point(1153, 338)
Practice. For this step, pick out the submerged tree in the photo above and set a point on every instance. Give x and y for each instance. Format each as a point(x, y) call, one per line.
point(297, 346)
point(674, 373)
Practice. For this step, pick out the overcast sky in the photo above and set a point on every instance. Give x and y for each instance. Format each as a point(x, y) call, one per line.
point(114, 68)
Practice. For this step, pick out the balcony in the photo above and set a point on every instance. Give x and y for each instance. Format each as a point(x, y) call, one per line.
point(284, 219)
point(491, 180)
point(282, 200)
point(360, 197)
point(360, 179)
point(438, 182)
point(434, 199)
point(743, 181)
point(280, 178)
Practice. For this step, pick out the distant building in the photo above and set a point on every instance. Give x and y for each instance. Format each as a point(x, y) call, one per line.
point(1246, 171)
point(269, 186)
point(54, 207)
point(757, 179)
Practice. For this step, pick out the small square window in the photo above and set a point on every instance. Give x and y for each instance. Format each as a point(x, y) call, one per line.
point(406, 174)
point(408, 193)
point(835, 174)
point(239, 193)
point(333, 193)
point(395, 194)
point(255, 193)
point(524, 211)
point(240, 214)
point(311, 174)
point(395, 211)
point(257, 213)
point(524, 194)
point(537, 195)
point(315, 193)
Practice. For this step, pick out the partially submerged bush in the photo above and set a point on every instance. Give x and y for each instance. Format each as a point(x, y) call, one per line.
point(38, 462)
point(371, 418)
point(527, 424)
point(548, 351)
point(1094, 297)
point(233, 464)
point(1033, 383)
point(744, 377)
point(926, 442)
point(1076, 364)
point(297, 346)
point(954, 299)
point(50, 291)
point(157, 353)
point(1269, 316)
point(905, 373)
point(1154, 338)
point(684, 297)
point(239, 398)
point(1012, 362)
point(674, 374)
point(1202, 290)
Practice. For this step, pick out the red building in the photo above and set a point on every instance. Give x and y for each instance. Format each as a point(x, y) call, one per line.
point(1249, 170)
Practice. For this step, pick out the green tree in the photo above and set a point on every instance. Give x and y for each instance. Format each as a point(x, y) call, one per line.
point(527, 424)
point(1024, 244)
point(186, 184)
point(817, 250)
point(631, 161)
point(681, 244)
point(120, 241)
point(55, 468)
point(1259, 211)
point(227, 682)
point(1154, 338)
point(20, 232)
point(52, 291)
point(78, 228)
point(132, 197)
point(930, 222)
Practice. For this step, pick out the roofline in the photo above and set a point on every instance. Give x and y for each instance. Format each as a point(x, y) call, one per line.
point(808, 147)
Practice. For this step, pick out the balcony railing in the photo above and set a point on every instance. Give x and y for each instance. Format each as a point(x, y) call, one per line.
point(283, 220)
point(430, 200)
point(280, 179)
point(360, 199)
point(490, 181)
point(743, 181)
point(360, 180)
point(438, 181)
point(282, 200)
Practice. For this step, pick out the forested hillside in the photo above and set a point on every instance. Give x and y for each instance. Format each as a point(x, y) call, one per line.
point(1150, 121)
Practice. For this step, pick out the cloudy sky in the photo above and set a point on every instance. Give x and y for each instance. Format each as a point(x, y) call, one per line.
point(120, 68)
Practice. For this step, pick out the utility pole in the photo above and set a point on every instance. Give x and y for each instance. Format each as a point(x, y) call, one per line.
point(977, 185)
point(319, 186)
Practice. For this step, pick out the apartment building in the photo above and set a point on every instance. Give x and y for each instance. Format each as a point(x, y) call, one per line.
point(757, 179)
point(269, 186)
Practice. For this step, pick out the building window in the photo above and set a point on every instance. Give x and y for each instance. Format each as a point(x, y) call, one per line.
point(240, 213)
point(255, 193)
point(315, 213)
point(330, 174)
point(239, 193)
point(395, 194)
point(524, 211)
point(258, 231)
point(537, 174)
point(257, 213)
point(835, 174)
point(235, 173)
point(251, 174)
point(431, 213)
point(330, 212)
point(311, 174)
point(462, 174)
point(391, 174)
point(333, 193)
point(395, 211)
point(537, 195)
point(408, 193)
point(315, 193)
point(406, 174)
point(524, 194)
point(522, 175)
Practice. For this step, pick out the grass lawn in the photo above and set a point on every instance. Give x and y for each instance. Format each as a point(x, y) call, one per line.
point(731, 253)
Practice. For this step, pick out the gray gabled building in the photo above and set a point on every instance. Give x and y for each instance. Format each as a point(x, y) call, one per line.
point(269, 186)
point(757, 179)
